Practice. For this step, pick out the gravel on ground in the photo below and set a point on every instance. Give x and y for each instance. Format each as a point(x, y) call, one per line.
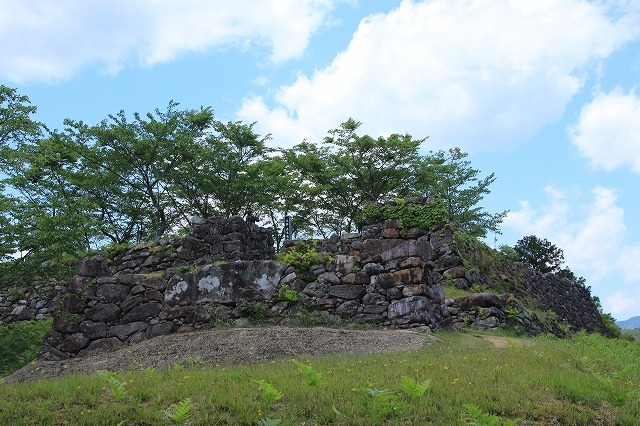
point(230, 346)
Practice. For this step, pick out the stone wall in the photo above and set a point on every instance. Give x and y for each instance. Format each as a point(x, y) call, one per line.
point(27, 303)
point(162, 287)
point(224, 271)
point(383, 275)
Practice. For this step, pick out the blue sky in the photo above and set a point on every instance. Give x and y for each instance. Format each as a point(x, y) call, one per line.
point(542, 93)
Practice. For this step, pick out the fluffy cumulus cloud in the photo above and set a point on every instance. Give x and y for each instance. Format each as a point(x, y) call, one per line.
point(593, 237)
point(47, 40)
point(607, 131)
point(473, 73)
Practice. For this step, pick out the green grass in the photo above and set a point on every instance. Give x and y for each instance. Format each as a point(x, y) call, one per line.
point(464, 379)
point(452, 292)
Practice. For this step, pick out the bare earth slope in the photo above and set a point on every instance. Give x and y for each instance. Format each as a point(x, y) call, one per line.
point(230, 346)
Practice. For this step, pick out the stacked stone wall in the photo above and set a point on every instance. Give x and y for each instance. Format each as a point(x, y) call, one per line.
point(224, 271)
point(163, 287)
point(36, 301)
point(383, 275)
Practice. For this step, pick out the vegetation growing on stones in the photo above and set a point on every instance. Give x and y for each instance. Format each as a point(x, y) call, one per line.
point(411, 215)
point(303, 255)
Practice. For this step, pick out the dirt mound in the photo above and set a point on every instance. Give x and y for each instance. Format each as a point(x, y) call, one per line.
point(229, 346)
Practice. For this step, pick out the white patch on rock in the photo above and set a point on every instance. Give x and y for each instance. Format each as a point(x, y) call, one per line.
point(181, 287)
point(209, 283)
point(264, 282)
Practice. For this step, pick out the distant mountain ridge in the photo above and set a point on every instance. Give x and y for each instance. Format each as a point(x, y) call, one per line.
point(630, 323)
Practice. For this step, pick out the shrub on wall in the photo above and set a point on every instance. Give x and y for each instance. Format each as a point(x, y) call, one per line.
point(423, 216)
point(303, 255)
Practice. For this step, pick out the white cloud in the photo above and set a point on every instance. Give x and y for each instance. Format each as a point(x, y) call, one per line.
point(607, 131)
point(594, 238)
point(48, 40)
point(622, 305)
point(474, 73)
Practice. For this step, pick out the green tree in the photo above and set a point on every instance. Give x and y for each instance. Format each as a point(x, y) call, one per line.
point(238, 178)
point(339, 177)
point(16, 124)
point(568, 274)
point(129, 167)
point(448, 175)
point(540, 254)
point(41, 219)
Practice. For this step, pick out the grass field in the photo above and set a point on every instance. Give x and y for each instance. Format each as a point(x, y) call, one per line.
point(464, 380)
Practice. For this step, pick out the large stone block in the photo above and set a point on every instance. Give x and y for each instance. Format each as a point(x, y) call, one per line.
point(64, 324)
point(443, 237)
point(159, 329)
point(99, 346)
point(411, 310)
point(142, 312)
point(329, 278)
point(347, 291)
point(92, 268)
point(81, 285)
point(122, 332)
point(112, 293)
point(355, 278)
point(107, 312)
point(454, 273)
point(74, 304)
point(227, 283)
point(483, 300)
point(409, 276)
point(74, 343)
point(410, 248)
point(374, 246)
point(344, 264)
point(93, 330)
point(348, 309)
point(316, 289)
point(130, 302)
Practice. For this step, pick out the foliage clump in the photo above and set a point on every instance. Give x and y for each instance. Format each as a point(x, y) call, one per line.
point(20, 343)
point(287, 294)
point(411, 215)
point(303, 255)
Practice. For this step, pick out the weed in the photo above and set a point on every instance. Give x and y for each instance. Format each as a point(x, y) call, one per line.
point(180, 411)
point(114, 250)
point(381, 404)
point(617, 395)
point(270, 395)
point(256, 311)
point(14, 294)
point(288, 295)
point(412, 387)
point(185, 268)
point(311, 376)
point(473, 415)
point(116, 383)
point(194, 361)
point(410, 215)
point(303, 255)
point(547, 380)
point(511, 312)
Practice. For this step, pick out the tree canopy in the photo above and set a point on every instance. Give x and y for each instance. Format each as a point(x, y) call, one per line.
point(140, 177)
point(540, 254)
